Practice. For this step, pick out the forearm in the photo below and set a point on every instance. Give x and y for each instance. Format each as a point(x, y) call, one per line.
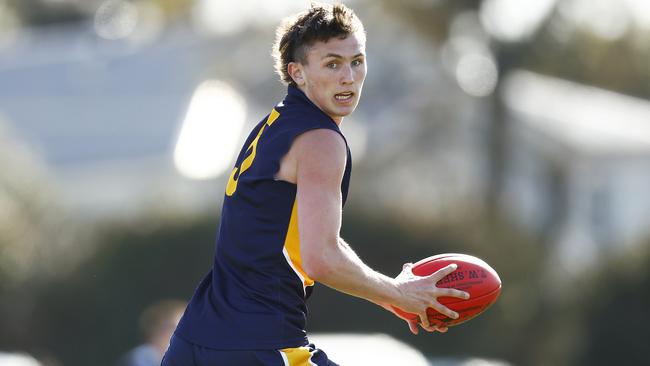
point(340, 268)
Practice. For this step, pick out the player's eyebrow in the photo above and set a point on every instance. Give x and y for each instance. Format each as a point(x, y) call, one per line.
point(334, 55)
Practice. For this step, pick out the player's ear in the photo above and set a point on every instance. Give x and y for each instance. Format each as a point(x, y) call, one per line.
point(296, 72)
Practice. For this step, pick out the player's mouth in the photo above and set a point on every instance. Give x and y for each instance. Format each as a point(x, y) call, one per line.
point(344, 97)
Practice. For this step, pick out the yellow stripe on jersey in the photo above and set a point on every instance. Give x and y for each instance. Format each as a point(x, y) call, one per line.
point(231, 187)
point(300, 356)
point(292, 248)
point(272, 117)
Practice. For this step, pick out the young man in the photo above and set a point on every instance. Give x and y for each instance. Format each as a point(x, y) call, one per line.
point(281, 215)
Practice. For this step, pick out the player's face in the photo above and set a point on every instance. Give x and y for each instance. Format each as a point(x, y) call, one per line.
point(334, 73)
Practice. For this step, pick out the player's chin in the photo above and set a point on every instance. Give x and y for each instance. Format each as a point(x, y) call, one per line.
point(345, 111)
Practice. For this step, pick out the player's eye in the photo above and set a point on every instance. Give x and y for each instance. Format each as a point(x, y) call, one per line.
point(357, 62)
point(332, 65)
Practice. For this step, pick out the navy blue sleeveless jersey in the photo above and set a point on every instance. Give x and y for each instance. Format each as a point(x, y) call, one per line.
point(254, 296)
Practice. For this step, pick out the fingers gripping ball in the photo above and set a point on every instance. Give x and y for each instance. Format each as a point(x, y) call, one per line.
point(473, 275)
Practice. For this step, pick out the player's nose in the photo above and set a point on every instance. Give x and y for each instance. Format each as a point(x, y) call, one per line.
point(347, 75)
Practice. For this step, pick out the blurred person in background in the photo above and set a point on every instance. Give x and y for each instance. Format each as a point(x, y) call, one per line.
point(281, 215)
point(157, 323)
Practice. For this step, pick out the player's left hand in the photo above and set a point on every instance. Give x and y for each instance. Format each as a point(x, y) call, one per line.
point(413, 324)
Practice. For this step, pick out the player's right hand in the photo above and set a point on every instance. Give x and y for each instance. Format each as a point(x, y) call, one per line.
point(419, 293)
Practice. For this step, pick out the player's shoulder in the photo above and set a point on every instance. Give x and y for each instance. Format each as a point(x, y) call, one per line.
point(321, 141)
point(321, 154)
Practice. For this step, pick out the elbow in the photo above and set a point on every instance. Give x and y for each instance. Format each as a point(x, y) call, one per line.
point(316, 266)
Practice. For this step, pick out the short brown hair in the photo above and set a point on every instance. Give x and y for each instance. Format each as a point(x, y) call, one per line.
point(320, 23)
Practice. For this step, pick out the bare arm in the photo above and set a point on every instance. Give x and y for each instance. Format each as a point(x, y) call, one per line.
point(320, 157)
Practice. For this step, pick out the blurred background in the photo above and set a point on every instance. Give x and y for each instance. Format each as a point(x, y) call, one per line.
point(516, 131)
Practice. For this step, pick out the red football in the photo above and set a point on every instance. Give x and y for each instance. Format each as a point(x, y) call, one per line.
point(473, 275)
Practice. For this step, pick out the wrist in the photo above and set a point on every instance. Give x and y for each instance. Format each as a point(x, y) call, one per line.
point(393, 293)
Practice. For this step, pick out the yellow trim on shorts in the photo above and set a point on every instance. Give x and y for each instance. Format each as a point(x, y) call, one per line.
point(300, 356)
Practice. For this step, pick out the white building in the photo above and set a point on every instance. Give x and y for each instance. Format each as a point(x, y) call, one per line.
point(578, 165)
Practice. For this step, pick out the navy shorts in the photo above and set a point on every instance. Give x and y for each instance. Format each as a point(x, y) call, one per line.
point(184, 353)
